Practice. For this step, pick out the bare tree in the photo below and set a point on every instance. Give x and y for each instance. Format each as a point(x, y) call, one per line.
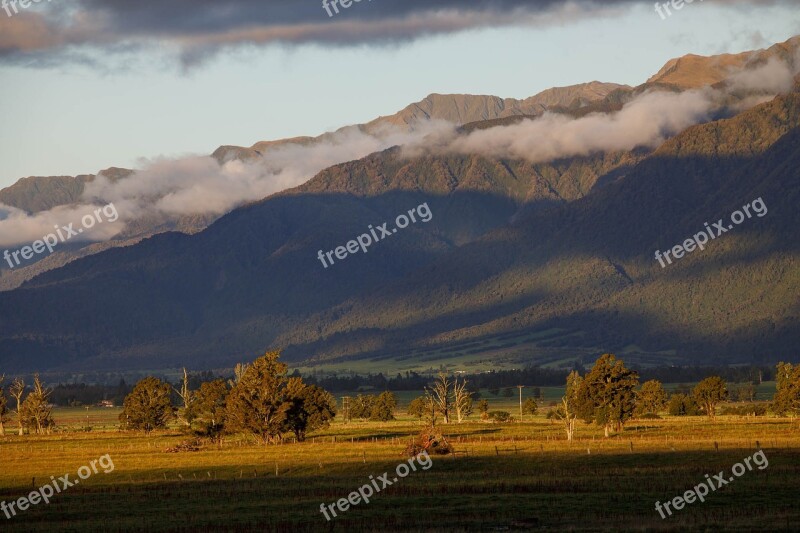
point(17, 389)
point(36, 408)
point(462, 400)
point(3, 406)
point(440, 395)
point(566, 412)
point(185, 414)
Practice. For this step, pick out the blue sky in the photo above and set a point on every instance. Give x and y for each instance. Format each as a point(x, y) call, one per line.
point(66, 117)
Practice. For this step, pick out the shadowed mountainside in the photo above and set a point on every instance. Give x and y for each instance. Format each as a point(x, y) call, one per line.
point(577, 257)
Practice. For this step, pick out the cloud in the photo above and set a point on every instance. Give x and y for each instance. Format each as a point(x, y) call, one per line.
point(198, 29)
point(169, 188)
point(645, 121)
point(18, 228)
point(774, 76)
point(200, 185)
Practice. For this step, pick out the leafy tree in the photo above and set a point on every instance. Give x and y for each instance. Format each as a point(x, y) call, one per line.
point(483, 409)
point(682, 405)
point(209, 408)
point(362, 406)
point(383, 407)
point(709, 392)
point(508, 392)
point(530, 407)
point(36, 410)
point(494, 391)
point(651, 398)
point(607, 395)
point(417, 407)
point(256, 403)
point(536, 392)
point(148, 406)
point(787, 393)
point(423, 408)
point(311, 408)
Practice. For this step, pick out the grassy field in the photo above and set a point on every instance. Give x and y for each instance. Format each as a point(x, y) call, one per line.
point(520, 476)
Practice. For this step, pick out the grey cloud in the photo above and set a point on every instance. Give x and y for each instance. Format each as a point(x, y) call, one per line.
point(200, 28)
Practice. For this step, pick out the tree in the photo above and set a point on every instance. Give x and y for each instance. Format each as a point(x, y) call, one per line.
point(36, 410)
point(238, 372)
point(494, 391)
point(423, 408)
point(462, 400)
point(362, 406)
point(148, 406)
point(530, 407)
point(440, 395)
point(383, 407)
point(709, 393)
point(748, 392)
point(310, 408)
point(566, 412)
point(607, 395)
point(256, 402)
point(682, 405)
point(418, 407)
point(651, 398)
point(185, 413)
point(17, 389)
point(787, 390)
point(209, 408)
point(3, 407)
point(483, 409)
point(508, 392)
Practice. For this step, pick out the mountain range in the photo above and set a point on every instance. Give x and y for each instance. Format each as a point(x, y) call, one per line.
point(524, 261)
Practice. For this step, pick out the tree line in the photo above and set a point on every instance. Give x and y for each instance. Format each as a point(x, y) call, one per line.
point(609, 396)
point(261, 400)
point(496, 381)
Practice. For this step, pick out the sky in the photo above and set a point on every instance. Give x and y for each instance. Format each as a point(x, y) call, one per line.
point(89, 84)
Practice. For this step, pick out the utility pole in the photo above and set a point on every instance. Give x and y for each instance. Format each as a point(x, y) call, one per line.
point(87, 416)
point(346, 409)
point(520, 387)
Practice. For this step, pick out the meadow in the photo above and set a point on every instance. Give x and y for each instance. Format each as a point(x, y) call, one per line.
point(515, 476)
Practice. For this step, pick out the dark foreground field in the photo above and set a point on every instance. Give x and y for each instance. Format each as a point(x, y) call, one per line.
point(547, 484)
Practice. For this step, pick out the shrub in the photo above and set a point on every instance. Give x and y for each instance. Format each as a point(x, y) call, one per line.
point(500, 416)
point(745, 410)
point(683, 405)
point(430, 441)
